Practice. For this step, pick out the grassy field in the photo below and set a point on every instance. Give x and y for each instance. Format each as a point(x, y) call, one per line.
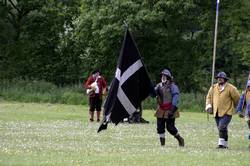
point(54, 134)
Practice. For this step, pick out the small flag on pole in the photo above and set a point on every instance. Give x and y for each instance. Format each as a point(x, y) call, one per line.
point(130, 86)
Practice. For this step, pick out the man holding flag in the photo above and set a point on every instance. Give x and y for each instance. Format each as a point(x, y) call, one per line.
point(130, 86)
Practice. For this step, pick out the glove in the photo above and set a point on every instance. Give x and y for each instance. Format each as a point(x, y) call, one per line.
point(240, 115)
point(209, 110)
point(172, 111)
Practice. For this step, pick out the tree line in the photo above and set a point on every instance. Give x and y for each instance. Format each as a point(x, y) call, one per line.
point(62, 41)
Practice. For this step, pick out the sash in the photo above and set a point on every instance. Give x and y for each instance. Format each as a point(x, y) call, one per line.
point(165, 106)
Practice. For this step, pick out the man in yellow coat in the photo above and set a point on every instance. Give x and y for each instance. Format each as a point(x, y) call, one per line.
point(221, 100)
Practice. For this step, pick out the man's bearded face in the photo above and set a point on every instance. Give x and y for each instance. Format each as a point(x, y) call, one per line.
point(221, 81)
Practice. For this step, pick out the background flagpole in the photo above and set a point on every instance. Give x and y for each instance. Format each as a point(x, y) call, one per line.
point(214, 48)
point(125, 23)
point(215, 41)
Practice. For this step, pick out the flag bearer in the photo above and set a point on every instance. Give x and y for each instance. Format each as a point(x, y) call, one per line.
point(221, 100)
point(167, 98)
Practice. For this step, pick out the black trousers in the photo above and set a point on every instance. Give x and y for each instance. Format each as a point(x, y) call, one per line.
point(222, 125)
point(169, 124)
point(95, 103)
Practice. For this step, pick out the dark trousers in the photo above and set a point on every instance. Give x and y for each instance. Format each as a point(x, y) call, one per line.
point(222, 124)
point(95, 103)
point(169, 124)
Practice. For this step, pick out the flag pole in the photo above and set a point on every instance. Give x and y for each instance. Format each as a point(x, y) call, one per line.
point(125, 23)
point(215, 42)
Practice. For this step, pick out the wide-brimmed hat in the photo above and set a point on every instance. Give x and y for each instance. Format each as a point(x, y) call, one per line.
point(222, 74)
point(167, 73)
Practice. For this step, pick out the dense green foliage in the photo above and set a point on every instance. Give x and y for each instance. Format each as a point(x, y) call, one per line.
point(53, 134)
point(62, 41)
point(32, 40)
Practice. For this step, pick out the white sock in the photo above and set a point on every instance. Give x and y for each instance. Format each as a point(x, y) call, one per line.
point(162, 135)
point(222, 142)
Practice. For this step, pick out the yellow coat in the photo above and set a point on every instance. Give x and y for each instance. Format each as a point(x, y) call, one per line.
point(223, 101)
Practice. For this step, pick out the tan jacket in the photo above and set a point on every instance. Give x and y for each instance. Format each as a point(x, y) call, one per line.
point(223, 101)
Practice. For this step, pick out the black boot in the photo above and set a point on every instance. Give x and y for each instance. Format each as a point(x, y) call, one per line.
point(221, 147)
point(162, 140)
point(180, 140)
point(142, 120)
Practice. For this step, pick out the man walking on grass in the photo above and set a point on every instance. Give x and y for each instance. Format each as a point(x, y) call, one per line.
point(244, 104)
point(167, 97)
point(221, 100)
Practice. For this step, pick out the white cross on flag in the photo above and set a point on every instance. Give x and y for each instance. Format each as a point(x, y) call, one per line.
point(130, 86)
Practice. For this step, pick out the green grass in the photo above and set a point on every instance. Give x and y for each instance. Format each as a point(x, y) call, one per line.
point(54, 134)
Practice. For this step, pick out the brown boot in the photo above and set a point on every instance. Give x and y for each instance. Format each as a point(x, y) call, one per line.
point(91, 119)
point(180, 140)
point(98, 113)
point(162, 140)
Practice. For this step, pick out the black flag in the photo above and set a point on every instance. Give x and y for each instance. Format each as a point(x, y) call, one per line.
point(130, 86)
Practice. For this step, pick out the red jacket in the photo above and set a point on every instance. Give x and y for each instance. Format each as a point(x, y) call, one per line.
point(101, 83)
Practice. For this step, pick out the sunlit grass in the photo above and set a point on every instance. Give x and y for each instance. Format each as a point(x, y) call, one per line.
point(53, 134)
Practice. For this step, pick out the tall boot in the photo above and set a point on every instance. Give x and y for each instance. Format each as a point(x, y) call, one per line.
point(162, 140)
point(91, 114)
point(98, 116)
point(180, 140)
